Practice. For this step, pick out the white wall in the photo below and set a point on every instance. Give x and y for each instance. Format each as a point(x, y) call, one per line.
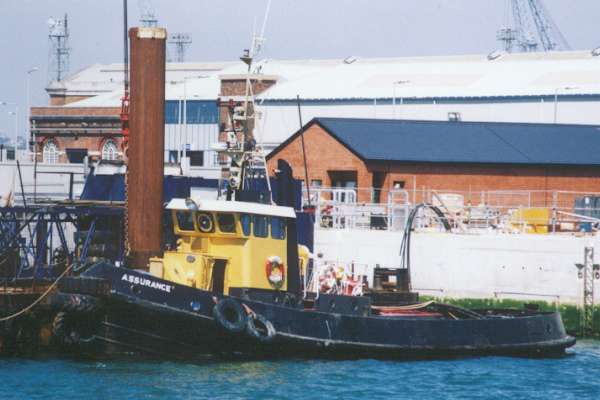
point(53, 180)
point(199, 137)
point(529, 267)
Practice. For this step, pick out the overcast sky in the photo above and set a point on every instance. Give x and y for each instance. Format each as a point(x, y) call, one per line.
point(296, 29)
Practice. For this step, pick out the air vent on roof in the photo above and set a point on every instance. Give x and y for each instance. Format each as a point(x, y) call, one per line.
point(349, 60)
point(454, 116)
point(494, 55)
point(596, 52)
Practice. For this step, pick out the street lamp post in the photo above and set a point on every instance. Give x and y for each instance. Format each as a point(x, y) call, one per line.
point(401, 82)
point(556, 99)
point(16, 140)
point(16, 115)
point(28, 113)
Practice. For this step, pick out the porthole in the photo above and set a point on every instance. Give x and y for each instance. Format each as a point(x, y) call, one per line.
point(205, 222)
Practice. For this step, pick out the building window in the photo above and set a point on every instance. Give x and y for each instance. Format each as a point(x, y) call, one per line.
point(76, 156)
point(316, 183)
point(197, 112)
point(172, 109)
point(109, 150)
point(202, 112)
point(196, 158)
point(173, 156)
point(399, 185)
point(50, 152)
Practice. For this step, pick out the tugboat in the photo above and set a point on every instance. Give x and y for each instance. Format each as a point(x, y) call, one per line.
point(232, 288)
point(233, 284)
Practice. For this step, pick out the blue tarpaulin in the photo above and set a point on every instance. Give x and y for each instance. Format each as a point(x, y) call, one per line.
point(112, 187)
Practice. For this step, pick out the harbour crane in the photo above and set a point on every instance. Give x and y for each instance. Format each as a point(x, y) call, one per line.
point(533, 29)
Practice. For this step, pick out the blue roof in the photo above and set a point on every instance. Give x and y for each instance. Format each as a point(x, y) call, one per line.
point(465, 142)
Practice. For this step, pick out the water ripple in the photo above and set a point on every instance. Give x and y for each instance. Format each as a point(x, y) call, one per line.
point(574, 377)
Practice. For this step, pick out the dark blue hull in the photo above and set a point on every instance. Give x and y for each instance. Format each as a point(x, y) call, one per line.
point(146, 316)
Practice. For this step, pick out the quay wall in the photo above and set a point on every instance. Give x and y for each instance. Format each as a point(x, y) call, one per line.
point(477, 270)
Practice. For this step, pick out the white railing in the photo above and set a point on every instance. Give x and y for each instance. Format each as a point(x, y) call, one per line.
point(336, 277)
point(516, 211)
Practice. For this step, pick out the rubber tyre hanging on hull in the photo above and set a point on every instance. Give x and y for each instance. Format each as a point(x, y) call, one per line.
point(260, 328)
point(230, 315)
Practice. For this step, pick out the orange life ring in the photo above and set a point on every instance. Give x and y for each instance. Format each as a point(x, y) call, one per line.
point(275, 271)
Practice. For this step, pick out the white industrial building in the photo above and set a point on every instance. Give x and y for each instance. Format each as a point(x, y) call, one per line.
point(561, 87)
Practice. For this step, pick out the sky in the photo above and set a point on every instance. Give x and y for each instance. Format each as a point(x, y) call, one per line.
point(295, 29)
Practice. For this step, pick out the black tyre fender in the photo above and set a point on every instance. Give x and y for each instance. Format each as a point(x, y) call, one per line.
point(58, 325)
point(80, 304)
point(62, 331)
point(260, 328)
point(230, 315)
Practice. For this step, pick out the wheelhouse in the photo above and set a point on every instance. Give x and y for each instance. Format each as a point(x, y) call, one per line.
point(227, 244)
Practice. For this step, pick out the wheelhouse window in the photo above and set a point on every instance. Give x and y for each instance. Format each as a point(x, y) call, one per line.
point(277, 228)
point(226, 223)
point(246, 222)
point(185, 221)
point(261, 229)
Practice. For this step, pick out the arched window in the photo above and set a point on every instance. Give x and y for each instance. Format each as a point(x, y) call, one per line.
point(50, 153)
point(109, 150)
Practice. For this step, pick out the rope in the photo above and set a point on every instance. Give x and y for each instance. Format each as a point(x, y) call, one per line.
point(29, 307)
point(406, 308)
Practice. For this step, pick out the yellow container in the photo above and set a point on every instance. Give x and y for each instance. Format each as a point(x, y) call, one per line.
point(535, 219)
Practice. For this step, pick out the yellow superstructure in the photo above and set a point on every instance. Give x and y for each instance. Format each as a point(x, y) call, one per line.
point(226, 244)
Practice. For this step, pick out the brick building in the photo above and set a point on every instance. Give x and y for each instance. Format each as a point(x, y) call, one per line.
point(69, 134)
point(466, 157)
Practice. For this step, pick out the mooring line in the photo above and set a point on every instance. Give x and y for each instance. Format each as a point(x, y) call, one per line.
point(29, 307)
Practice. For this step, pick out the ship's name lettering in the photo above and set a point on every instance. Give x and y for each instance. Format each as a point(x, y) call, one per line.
point(136, 280)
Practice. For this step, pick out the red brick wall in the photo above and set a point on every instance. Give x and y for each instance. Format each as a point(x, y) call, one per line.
point(58, 100)
point(237, 87)
point(473, 179)
point(92, 144)
point(72, 134)
point(324, 154)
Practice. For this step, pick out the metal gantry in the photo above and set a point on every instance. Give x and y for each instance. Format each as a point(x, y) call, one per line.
point(59, 48)
point(180, 41)
point(588, 272)
point(35, 242)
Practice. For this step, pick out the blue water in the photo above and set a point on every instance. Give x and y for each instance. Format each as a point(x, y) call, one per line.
point(573, 377)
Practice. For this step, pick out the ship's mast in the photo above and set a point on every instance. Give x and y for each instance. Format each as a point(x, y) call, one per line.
point(247, 159)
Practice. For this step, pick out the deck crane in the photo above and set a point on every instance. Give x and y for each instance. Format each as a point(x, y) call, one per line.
point(534, 29)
